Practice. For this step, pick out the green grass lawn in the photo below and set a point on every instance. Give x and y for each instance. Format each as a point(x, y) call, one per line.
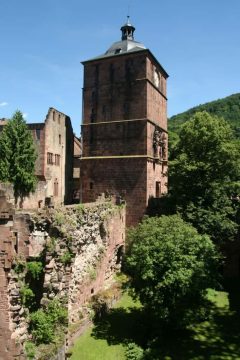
point(89, 347)
point(216, 339)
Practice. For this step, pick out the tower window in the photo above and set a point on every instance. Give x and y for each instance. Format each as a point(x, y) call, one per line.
point(59, 118)
point(91, 185)
point(118, 51)
point(59, 139)
point(53, 115)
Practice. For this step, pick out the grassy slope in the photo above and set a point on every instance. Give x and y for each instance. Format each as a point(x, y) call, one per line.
point(228, 108)
point(88, 347)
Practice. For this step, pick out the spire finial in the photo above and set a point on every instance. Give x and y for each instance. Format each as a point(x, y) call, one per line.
point(127, 30)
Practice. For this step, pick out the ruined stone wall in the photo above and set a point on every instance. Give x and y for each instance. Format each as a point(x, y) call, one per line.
point(13, 240)
point(90, 238)
point(33, 201)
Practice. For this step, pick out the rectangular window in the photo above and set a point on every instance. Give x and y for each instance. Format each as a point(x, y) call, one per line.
point(59, 139)
point(49, 158)
point(57, 159)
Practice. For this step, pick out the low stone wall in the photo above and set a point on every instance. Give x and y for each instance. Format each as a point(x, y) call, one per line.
point(81, 250)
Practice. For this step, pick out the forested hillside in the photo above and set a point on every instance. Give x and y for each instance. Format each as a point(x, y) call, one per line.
point(228, 108)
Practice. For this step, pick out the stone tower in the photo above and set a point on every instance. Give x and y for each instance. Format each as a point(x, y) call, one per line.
point(124, 127)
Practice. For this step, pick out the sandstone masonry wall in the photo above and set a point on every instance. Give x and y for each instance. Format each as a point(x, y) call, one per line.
point(93, 235)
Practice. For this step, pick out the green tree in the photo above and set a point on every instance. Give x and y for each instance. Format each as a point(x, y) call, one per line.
point(17, 156)
point(171, 266)
point(204, 176)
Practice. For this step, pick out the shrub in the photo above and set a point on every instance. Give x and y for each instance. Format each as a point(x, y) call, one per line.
point(44, 323)
point(30, 350)
point(133, 352)
point(41, 327)
point(57, 312)
point(51, 245)
point(80, 208)
point(66, 258)
point(34, 269)
point(20, 266)
point(27, 296)
point(59, 218)
point(92, 273)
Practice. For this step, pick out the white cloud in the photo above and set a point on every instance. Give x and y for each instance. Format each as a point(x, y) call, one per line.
point(24, 115)
point(4, 103)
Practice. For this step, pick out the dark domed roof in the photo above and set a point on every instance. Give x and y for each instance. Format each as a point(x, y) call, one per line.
point(124, 46)
point(127, 44)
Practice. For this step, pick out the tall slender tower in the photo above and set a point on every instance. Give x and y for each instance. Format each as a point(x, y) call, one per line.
point(124, 127)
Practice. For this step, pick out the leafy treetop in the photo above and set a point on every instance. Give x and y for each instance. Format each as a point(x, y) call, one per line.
point(171, 266)
point(204, 176)
point(17, 156)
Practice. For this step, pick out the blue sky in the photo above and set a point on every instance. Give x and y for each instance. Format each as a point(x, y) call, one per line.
point(43, 42)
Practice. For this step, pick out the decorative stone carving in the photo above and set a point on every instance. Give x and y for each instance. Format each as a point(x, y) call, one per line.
point(160, 144)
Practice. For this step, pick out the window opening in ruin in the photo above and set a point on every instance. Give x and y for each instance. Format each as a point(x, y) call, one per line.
point(119, 254)
point(38, 134)
point(158, 189)
point(91, 185)
point(59, 139)
point(59, 118)
point(16, 241)
point(53, 115)
point(49, 158)
point(92, 290)
point(57, 159)
point(56, 188)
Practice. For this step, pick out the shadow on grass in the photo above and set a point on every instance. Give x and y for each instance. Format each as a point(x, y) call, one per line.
point(216, 339)
point(121, 325)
